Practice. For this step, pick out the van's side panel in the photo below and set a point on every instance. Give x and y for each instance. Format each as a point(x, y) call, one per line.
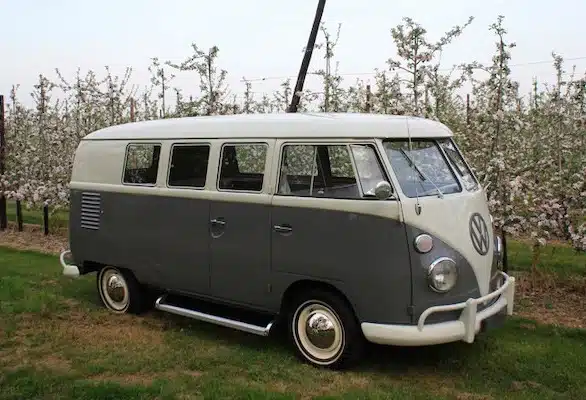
point(160, 234)
point(163, 240)
point(240, 251)
point(363, 255)
point(240, 244)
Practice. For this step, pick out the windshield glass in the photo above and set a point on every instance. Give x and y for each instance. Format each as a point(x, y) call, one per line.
point(458, 163)
point(430, 167)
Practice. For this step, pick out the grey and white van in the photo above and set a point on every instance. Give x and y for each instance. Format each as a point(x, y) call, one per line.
point(343, 228)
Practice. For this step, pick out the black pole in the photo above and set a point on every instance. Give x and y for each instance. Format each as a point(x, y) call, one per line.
point(306, 57)
point(19, 215)
point(46, 219)
point(3, 216)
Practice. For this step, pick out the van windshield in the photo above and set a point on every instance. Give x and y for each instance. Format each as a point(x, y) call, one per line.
point(429, 172)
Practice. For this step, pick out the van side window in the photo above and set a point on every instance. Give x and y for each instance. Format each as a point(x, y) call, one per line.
point(368, 166)
point(142, 163)
point(189, 165)
point(243, 167)
point(340, 162)
point(318, 171)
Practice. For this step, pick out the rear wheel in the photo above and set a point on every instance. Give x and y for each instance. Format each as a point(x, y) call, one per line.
point(324, 330)
point(120, 292)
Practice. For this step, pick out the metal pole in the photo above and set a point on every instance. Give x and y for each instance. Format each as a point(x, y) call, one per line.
point(3, 216)
point(306, 57)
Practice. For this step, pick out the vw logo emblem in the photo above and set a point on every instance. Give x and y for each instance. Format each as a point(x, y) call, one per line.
point(479, 234)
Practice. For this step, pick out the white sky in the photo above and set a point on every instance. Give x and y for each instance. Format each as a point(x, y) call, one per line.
point(263, 38)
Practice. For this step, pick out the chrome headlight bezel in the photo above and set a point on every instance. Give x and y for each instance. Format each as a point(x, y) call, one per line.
point(436, 268)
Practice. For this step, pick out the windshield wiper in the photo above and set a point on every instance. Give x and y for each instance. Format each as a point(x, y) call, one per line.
point(421, 174)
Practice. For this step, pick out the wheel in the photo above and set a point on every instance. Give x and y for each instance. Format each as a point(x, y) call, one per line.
point(120, 292)
point(324, 330)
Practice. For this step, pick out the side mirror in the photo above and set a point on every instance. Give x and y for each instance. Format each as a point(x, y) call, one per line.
point(383, 190)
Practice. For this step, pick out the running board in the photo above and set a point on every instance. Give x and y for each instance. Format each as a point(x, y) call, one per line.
point(230, 323)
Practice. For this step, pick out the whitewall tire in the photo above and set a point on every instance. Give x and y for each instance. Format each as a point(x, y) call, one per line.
point(120, 292)
point(324, 330)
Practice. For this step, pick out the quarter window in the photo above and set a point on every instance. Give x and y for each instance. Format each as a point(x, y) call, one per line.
point(459, 165)
point(189, 166)
point(243, 167)
point(142, 164)
point(368, 167)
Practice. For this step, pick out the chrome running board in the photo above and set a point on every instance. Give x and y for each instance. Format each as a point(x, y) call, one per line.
point(214, 319)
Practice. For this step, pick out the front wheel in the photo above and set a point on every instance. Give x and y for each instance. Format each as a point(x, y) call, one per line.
point(324, 330)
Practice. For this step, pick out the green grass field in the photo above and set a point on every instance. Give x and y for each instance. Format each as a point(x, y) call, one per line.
point(57, 342)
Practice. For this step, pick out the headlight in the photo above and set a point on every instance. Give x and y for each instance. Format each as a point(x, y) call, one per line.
point(442, 275)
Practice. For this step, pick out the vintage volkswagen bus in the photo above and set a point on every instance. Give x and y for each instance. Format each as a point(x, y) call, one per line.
point(344, 228)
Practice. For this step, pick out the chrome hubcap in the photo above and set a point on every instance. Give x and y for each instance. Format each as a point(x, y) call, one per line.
point(115, 290)
point(320, 333)
point(320, 330)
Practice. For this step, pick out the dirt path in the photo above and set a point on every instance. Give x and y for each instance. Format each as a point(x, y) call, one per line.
point(549, 301)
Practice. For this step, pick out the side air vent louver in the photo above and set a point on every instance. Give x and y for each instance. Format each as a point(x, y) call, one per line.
point(91, 210)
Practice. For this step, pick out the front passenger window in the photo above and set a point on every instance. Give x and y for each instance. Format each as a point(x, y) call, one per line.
point(318, 171)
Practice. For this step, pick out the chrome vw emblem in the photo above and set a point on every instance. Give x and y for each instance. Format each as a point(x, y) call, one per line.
point(479, 234)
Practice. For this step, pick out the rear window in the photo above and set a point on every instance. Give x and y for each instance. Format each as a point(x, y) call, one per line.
point(142, 163)
point(243, 167)
point(189, 166)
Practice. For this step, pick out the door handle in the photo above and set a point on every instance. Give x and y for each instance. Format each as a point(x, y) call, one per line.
point(283, 228)
point(216, 221)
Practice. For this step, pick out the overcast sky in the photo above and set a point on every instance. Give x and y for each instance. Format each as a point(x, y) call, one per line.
point(264, 38)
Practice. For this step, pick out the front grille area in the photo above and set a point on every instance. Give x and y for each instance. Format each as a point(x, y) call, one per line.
point(91, 210)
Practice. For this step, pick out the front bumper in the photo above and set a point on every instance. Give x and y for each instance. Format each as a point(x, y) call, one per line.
point(464, 329)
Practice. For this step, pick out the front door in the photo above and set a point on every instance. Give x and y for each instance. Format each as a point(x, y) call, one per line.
point(327, 227)
point(239, 226)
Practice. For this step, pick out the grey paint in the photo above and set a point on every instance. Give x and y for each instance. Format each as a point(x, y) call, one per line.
point(240, 252)
point(169, 243)
point(152, 235)
point(364, 256)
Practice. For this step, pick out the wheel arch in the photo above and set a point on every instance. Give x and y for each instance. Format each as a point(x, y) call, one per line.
point(304, 284)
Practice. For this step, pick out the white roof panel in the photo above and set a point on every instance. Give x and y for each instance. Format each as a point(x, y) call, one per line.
point(276, 125)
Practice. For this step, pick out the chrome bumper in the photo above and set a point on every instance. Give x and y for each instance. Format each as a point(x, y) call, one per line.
point(69, 270)
point(465, 328)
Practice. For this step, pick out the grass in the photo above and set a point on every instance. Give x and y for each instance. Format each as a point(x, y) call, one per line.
point(57, 342)
point(560, 260)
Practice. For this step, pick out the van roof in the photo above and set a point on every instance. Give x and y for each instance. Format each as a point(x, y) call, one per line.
point(276, 125)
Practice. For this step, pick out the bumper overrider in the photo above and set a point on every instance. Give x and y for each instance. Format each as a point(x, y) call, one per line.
point(69, 270)
point(463, 329)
